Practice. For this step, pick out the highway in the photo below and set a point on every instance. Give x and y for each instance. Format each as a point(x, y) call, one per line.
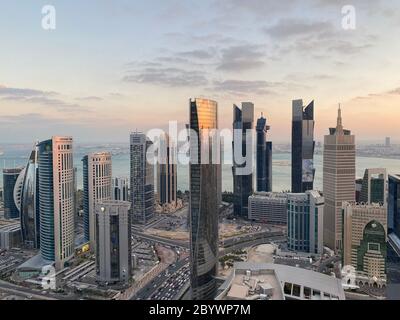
point(29, 293)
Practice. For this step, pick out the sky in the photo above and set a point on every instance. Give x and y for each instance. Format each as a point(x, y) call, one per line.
point(112, 67)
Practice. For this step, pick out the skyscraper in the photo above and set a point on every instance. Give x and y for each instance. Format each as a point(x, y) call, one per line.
point(120, 189)
point(364, 242)
point(142, 179)
point(56, 200)
point(264, 157)
point(166, 172)
point(394, 206)
point(243, 119)
point(10, 177)
point(97, 173)
point(303, 145)
point(28, 203)
point(373, 189)
point(339, 171)
point(305, 221)
point(113, 243)
point(203, 200)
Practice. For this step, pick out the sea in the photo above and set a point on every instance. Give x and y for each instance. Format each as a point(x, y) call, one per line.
point(12, 156)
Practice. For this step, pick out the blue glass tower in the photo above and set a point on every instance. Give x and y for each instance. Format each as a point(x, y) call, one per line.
point(264, 157)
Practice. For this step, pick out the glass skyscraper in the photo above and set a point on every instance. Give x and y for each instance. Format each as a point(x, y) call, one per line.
point(10, 177)
point(373, 188)
point(394, 205)
point(203, 200)
point(264, 157)
point(243, 119)
point(56, 200)
point(303, 145)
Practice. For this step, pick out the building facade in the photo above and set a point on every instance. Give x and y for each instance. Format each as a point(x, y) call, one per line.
point(263, 157)
point(365, 242)
point(166, 172)
point(339, 175)
point(373, 189)
point(120, 189)
point(303, 146)
point(305, 213)
point(56, 200)
point(10, 177)
point(27, 202)
point(97, 175)
point(141, 179)
point(113, 243)
point(268, 207)
point(243, 119)
point(203, 205)
point(394, 205)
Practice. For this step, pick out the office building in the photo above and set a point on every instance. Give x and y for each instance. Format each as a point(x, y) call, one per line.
point(203, 205)
point(303, 145)
point(387, 142)
point(268, 207)
point(263, 157)
point(305, 213)
point(243, 120)
point(26, 199)
point(97, 173)
point(113, 243)
point(269, 281)
point(10, 235)
point(56, 200)
point(166, 172)
point(394, 204)
point(359, 183)
point(10, 177)
point(339, 175)
point(142, 179)
point(364, 242)
point(120, 189)
point(373, 189)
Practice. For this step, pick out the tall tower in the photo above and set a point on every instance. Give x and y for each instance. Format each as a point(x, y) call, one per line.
point(264, 157)
point(339, 173)
point(203, 200)
point(303, 145)
point(97, 173)
point(56, 200)
point(27, 203)
point(113, 243)
point(120, 188)
point(10, 177)
point(243, 119)
point(167, 172)
point(373, 189)
point(142, 179)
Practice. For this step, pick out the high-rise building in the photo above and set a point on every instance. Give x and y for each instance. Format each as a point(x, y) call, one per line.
point(264, 157)
point(268, 207)
point(387, 142)
point(303, 146)
point(394, 205)
point(373, 188)
point(97, 173)
point(243, 119)
point(142, 179)
point(305, 222)
point(26, 199)
point(10, 177)
point(113, 242)
point(359, 183)
point(166, 172)
point(339, 175)
point(364, 242)
point(56, 200)
point(120, 189)
point(203, 200)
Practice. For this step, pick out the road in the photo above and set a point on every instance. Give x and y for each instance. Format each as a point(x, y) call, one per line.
point(152, 287)
point(27, 292)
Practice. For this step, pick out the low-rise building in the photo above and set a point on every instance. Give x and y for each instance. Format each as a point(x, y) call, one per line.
point(268, 207)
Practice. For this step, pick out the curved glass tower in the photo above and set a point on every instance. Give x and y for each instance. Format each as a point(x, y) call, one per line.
point(28, 204)
point(203, 201)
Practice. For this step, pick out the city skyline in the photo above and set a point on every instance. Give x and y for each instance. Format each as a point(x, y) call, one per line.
point(101, 86)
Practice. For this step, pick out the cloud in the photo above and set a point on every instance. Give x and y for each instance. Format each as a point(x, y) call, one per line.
point(241, 58)
point(244, 87)
point(288, 28)
point(89, 98)
point(23, 92)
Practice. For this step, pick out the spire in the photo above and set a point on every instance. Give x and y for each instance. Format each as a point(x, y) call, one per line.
point(339, 126)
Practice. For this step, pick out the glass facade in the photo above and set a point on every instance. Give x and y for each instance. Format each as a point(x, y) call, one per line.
point(303, 145)
point(10, 177)
point(264, 157)
point(203, 203)
point(394, 205)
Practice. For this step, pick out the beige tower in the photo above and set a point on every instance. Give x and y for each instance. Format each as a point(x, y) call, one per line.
point(97, 173)
point(339, 174)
